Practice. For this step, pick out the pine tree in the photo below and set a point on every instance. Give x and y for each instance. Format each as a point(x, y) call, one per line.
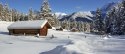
point(122, 17)
point(82, 26)
point(1, 11)
point(114, 21)
point(13, 13)
point(30, 16)
point(56, 21)
point(46, 12)
point(64, 24)
point(99, 24)
point(6, 13)
point(22, 17)
point(79, 26)
point(37, 14)
point(118, 22)
point(75, 24)
point(108, 22)
point(25, 17)
point(69, 24)
point(10, 13)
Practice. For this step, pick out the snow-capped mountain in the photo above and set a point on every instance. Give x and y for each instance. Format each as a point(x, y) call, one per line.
point(60, 15)
point(105, 8)
point(79, 16)
point(108, 7)
point(82, 14)
point(88, 15)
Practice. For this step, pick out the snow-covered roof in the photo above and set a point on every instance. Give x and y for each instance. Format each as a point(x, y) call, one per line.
point(58, 27)
point(37, 24)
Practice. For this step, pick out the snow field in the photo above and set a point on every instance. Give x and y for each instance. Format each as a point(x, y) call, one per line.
point(64, 42)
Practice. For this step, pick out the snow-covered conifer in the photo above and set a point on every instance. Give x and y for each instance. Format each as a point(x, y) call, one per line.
point(99, 24)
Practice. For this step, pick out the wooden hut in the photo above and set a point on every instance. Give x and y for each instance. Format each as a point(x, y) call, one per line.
point(74, 30)
point(59, 28)
point(29, 28)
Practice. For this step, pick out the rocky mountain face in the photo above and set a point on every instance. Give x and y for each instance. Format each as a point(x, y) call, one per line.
point(78, 16)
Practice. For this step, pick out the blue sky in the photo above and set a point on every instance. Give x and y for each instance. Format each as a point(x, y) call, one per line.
point(66, 6)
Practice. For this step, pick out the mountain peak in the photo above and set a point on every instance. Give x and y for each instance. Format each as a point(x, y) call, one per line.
point(59, 15)
point(86, 14)
point(79, 16)
point(108, 6)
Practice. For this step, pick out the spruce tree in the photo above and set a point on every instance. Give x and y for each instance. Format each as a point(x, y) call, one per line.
point(99, 24)
point(118, 20)
point(10, 13)
point(13, 14)
point(122, 17)
point(1, 11)
point(30, 16)
point(6, 12)
point(112, 21)
point(46, 12)
point(108, 23)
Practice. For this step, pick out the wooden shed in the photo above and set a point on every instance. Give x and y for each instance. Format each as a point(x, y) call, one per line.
point(59, 28)
point(29, 28)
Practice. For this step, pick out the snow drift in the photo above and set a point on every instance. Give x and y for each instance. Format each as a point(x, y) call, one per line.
point(73, 47)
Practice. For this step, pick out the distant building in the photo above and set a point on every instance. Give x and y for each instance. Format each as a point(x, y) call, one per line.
point(74, 30)
point(59, 28)
point(29, 28)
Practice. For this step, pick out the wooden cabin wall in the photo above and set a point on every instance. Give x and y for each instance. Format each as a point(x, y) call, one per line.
point(44, 31)
point(26, 31)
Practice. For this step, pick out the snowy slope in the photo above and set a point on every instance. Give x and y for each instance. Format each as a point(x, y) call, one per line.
point(4, 25)
point(60, 15)
point(82, 14)
point(79, 16)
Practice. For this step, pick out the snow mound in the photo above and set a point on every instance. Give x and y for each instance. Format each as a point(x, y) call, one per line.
point(4, 25)
point(105, 38)
point(73, 47)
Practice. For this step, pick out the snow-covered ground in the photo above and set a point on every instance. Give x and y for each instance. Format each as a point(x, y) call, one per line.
point(64, 43)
